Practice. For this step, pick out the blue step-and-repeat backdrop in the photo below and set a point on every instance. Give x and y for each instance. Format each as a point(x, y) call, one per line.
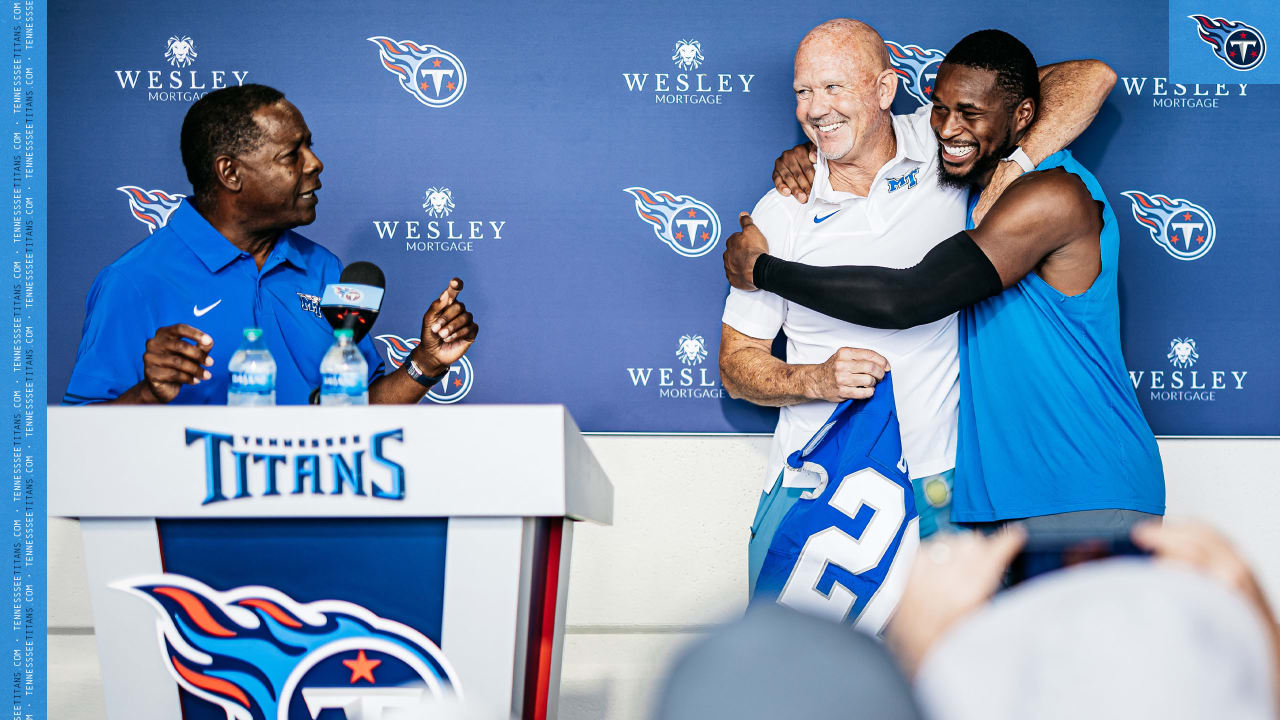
point(579, 165)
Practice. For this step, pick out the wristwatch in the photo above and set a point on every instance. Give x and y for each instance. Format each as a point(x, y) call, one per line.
point(1020, 156)
point(420, 377)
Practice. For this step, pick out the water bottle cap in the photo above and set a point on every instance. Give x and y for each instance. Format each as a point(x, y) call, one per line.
point(252, 334)
point(344, 333)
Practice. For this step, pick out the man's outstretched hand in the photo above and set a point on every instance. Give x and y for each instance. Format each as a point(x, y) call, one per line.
point(740, 253)
point(447, 332)
point(793, 171)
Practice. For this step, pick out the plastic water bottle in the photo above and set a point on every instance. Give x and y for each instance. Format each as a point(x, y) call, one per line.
point(344, 375)
point(253, 372)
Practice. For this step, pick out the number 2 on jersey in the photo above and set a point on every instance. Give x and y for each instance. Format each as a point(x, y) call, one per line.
point(833, 546)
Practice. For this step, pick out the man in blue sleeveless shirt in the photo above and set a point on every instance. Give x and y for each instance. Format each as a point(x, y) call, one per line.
point(1050, 428)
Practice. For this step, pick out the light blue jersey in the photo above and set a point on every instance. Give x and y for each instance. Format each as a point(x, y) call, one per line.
point(1049, 422)
point(844, 551)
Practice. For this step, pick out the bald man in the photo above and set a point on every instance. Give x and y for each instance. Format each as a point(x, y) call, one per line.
point(877, 199)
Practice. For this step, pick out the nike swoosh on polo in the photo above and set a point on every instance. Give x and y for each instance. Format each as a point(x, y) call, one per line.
point(199, 312)
point(817, 219)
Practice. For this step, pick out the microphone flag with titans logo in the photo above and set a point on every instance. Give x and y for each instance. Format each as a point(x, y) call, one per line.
point(354, 301)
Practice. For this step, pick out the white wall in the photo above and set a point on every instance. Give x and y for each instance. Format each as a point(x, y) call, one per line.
point(675, 560)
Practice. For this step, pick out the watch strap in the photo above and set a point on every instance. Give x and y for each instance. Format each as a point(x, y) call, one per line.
point(1020, 156)
point(423, 379)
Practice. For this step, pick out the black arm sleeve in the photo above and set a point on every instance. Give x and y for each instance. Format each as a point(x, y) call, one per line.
point(955, 274)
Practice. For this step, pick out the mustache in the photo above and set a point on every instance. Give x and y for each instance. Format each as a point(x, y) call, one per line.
point(828, 119)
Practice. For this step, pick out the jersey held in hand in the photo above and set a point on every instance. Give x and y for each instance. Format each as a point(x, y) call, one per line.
point(843, 551)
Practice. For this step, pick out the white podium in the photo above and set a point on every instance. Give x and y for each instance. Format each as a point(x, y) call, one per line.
point(306, 562)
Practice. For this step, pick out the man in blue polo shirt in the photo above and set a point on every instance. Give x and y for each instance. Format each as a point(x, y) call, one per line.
point(163, 320)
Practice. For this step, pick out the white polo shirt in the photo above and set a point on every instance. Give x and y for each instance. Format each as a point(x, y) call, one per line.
point(906, 213)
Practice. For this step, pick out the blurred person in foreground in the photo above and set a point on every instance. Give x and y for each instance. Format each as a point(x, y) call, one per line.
point(1188, 635)
point(1185, 634)
point(778, 663)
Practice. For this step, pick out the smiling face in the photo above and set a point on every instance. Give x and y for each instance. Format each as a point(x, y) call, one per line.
point(974, 124)
point(840, 100)
point(280, 176)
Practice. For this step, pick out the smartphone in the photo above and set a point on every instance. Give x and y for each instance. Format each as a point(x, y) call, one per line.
point(1053, 551)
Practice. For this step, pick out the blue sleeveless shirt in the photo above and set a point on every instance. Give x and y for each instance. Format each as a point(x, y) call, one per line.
point(1049, 421)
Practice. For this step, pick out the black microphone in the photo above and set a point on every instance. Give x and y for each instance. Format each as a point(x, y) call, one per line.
point(354, 301)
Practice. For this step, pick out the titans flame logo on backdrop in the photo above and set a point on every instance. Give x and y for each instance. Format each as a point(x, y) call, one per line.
point(1184, 229)
point(686, 224)
point(435, 77)
point(453, 387)
point(1240, 46)
point(260, 655)
point(151, 207)
point(916, 67)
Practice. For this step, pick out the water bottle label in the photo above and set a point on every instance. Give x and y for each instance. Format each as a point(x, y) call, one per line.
point(349, 383)
point(246, 382)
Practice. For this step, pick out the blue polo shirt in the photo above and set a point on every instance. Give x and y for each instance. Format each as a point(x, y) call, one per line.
point(187, 272)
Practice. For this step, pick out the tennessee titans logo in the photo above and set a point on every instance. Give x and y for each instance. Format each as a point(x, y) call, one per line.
point(687, 225)
point(151, 207)
point(916, 67)
point(1182, 353)
point(688, 55)
point(438, 202)
point(691, 349)
point(349, 294)
point(180, 51)
point(260, 655)
point(435, 77)
point(1238, 45)
point(1184, 229)
point(453, 387)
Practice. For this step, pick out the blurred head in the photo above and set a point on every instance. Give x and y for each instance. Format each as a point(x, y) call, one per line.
point(1121, 638)
point(985, 97)
point(844, 86)
point(777, 663)
point(250, 146)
